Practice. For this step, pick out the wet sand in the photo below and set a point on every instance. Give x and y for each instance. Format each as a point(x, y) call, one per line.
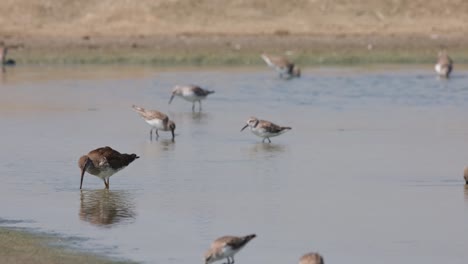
point(23, 247)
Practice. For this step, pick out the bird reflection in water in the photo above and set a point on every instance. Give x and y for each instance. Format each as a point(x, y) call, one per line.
point(167, 144)
point(192, 117)
point(266, 149)
point(465, 192)
point(106, 208)
point(199, 116)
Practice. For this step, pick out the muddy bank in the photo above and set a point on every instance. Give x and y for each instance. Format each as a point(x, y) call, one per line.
point(211, 32)
point(238, 50)
point(21, 247)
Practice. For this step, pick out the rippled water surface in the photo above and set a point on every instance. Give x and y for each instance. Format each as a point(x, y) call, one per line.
point(370, 173)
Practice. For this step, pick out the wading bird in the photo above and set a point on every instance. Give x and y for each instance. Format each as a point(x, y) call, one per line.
point(103, 163)
point(444, 65)
point(191, 93)
point(264, 129)
point(226, 247)
point(157, 121)
point(282, 65)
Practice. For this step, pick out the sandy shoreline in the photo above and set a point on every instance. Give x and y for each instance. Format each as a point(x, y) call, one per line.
point(24, 247)
point(211, 32)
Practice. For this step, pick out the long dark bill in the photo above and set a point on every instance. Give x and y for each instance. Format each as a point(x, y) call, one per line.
point(244, 127)
point(83, 172)
point(172, 97)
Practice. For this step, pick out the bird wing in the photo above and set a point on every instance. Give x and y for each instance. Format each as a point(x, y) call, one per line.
point(101, 156)
point(270, 127)
point(151, 114)
point(277, 61)
point(200, 91)
point(222, 241)
point(107, 156)
point(444, 60)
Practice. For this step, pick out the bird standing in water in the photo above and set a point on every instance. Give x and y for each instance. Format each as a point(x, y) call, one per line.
point(191, 93)
point(157, 121)
point(264, 129)
point(283, 66)
point(444, 65)
point(226, 247)
point(103, 163)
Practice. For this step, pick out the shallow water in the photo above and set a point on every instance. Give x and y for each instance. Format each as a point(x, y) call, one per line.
point(370, 173)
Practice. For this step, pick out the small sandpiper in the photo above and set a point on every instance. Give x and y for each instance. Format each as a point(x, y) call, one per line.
point(311, 258)
point(103, 163)
point(265, 129)
point(226, 247)
point(191, 93)
point(283, 66)
point(444, 64)
point(157, 121)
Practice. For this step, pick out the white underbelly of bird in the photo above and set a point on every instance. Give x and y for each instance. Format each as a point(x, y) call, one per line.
point(265, 134)
point(157, 123)
point(229, 251)
point(191, 97)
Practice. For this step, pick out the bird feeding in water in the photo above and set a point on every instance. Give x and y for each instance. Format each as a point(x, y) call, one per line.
point(191, 93)
point(103, 163)
point(226, 247)
point(444, 65)
point(157, 121)
point(283, 66)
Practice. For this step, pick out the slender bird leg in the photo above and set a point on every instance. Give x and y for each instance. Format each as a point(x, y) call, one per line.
point(263, 141)
point(232, 262)
point(106, 184)
point(269, 141)
point(200, 105)
point(157, 135)
point(151, 134)
point(193, 107)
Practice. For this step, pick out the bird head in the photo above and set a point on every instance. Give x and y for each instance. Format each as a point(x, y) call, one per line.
point(252, 122)
point(175, 91)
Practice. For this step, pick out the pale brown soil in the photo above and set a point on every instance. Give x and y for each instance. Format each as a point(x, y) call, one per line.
point(249, 26)
point(22, 248)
